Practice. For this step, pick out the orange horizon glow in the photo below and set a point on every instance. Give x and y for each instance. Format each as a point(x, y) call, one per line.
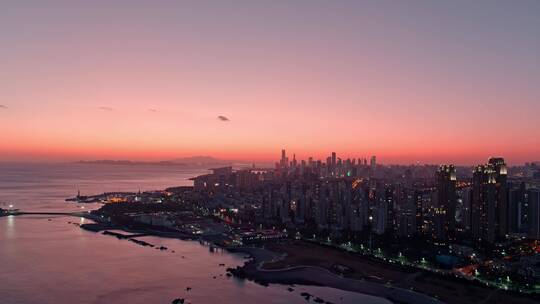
point(427, 83)
point(390, 157)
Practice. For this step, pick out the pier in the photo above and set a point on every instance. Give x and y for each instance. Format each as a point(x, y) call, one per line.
point(18, 213)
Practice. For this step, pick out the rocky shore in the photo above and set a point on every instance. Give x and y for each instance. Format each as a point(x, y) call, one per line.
point(309, 275)
point(369, 277)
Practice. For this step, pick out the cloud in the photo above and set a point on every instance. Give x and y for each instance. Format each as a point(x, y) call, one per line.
point(3, 106)
point(223, 118)
point(106, 109)
point(152, 110)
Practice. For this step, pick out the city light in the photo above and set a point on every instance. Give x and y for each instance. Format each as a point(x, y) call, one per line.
point(270, 152)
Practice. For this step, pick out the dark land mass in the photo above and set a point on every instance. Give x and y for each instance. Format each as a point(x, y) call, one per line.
point(191, 162)
point(302, 262)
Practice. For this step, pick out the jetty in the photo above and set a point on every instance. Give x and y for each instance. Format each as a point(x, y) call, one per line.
point(19, 213)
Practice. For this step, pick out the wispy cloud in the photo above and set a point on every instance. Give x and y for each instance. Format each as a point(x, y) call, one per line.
point(3, 106)
point(223, 118)
point(152, 110)
point(106, 109)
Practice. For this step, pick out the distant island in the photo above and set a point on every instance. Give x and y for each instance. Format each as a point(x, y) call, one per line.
point(194, 161)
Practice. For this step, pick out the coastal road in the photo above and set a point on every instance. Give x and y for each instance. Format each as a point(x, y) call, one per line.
point(324, 277)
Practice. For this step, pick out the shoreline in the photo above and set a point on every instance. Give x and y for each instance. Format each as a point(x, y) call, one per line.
point(305, 274)
point(318, 276)
point(298, 275)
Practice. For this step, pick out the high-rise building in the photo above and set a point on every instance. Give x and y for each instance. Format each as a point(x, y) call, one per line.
point(284, 162)
point(463, 214)
point(534, 213)
point(489, 216)
point(332, 165)
point(501, 196)
point(518, 209)
point(373, 163)
point(419, 211)
point(447, 200)
point(389, 200)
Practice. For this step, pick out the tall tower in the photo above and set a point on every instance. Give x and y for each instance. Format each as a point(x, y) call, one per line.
point(373, 163)
point(284, 162)
point(332, 166)
point(490, 214)
point(534, 213)
point(447, 200)
point(502, 217)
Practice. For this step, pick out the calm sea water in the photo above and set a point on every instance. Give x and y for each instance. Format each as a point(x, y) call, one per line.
point(44, 187)
point(47, 259)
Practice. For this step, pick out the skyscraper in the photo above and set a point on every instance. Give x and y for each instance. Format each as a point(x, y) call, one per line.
point(501, 196)
point(447, 200)
point(284, 162)
point(534, 213)
point(518, 209)
point(373, 163)
point(489, 202)
point(333, 164)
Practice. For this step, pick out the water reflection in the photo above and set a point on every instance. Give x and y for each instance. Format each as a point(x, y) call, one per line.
point(55, 262)
point(10, 226)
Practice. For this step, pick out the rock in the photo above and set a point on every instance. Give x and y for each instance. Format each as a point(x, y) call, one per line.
point(306, 296)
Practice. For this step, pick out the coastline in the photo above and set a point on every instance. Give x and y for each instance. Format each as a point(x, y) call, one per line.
point(312, 275)
point(395, 285)
point(379, 279)
point(300, 275)
point(307, 263)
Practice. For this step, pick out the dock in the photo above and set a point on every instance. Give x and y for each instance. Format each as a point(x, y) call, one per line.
point(19, 213)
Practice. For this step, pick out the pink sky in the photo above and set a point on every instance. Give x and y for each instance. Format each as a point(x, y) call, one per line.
point(429, 83)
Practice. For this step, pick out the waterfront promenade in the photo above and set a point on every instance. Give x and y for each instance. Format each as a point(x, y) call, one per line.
point(312, 275)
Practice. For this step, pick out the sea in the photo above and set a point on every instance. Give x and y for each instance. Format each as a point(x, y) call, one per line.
point(49, 259)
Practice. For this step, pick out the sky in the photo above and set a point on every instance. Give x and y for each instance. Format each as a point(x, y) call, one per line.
point(428, 81)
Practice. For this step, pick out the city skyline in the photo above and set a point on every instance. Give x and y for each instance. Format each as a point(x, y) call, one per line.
point(427, 82)
point(265, 162)
point(240, 151)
